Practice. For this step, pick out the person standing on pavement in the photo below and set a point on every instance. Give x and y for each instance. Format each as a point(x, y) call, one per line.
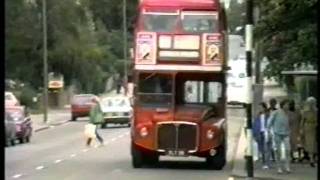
point(261, 135)
point(294, 123)
point(272, 108)
point(309, 124)
point(96, 116)
point(279, 122)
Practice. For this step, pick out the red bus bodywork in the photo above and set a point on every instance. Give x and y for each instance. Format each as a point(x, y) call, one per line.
point(179, 128)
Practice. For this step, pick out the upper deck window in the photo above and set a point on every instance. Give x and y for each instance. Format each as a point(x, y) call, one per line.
point(159, 22)
point(199, 22)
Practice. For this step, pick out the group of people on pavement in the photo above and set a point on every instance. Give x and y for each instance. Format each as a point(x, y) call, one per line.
point(286, 134)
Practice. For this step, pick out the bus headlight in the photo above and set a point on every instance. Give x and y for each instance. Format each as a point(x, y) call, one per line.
point(210, 134)
point(143, 132)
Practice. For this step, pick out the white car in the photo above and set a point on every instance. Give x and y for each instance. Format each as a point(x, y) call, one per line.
point(10, 99)
point(116, 110)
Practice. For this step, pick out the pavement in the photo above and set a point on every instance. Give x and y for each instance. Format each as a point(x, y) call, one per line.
point(300, 171)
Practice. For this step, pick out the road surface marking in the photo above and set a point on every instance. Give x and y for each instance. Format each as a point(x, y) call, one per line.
point(73, 155)
point(113, 139)
point(39, 167)
point(127, 133)
point(57, 161)
point(230, 178)
point(84, 150)
point(120, 136)
point(116, 171)
point(17, 176)
point(52, 126)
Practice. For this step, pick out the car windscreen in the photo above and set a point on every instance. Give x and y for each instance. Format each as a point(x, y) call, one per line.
point(115, 102)
point(8, 97)
point(81, 99)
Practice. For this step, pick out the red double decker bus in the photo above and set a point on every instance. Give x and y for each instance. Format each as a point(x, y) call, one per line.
point(179, 74)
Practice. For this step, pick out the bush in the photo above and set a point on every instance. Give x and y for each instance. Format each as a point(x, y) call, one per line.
point(26, 97)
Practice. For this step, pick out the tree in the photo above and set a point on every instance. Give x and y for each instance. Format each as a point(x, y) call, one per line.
point(287, 30)
point(236, 17)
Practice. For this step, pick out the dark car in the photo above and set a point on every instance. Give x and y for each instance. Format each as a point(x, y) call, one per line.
point(18, 124)
point(81, 105)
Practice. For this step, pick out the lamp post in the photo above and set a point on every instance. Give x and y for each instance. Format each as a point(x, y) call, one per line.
point(125, 58)
point(45, 61)
point(249, 47)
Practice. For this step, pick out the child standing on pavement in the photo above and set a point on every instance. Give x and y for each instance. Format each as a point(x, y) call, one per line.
point(279, 122)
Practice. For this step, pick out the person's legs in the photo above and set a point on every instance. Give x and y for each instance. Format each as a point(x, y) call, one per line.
point(267, 152)
point(286, 142)
point(98, 136)
point(278, 142)
point(89, 141)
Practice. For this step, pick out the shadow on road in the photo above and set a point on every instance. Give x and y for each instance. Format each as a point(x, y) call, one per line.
point(183, 165)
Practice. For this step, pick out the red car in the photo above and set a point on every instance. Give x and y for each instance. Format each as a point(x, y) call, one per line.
point(81, 105)
point(21, 125)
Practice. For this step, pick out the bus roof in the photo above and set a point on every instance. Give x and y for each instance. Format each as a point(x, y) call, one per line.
point(184, 4)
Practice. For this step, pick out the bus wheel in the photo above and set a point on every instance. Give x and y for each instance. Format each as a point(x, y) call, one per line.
point(137, 156)
point(152, 159)
point(218, 161)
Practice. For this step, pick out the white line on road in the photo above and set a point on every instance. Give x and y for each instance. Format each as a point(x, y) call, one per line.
point(57, 161)
point(113, 139)
point(39, 167)
point(85, 150)
point(120, 136)
point(73, 155)
point(16, 176)
point(127, 133)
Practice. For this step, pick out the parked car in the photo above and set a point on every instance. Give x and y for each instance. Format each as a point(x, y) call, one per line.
point(10, 99)
point(18, 124)
point(10, 127)
point(116, 110)
point(81, 105)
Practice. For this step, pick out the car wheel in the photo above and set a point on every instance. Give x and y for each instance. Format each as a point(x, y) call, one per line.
point(73, 118)
point(137, 157)
point(21, 140)
point(27, 139)
point(218, 161)
point(103, 125)
point(13, 142)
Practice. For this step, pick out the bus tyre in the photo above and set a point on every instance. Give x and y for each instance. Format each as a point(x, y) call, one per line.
point(152, 159)
point(218, 161)
point(137, 157)
point(73, 118)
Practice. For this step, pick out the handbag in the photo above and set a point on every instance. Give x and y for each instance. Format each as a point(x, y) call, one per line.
point(90, 131)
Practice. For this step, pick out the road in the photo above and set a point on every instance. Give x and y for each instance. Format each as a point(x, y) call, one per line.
point(60, 153)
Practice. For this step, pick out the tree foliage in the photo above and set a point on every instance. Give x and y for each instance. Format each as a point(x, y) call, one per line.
point(84, 40)
point(288, 32)
point(236, 17)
